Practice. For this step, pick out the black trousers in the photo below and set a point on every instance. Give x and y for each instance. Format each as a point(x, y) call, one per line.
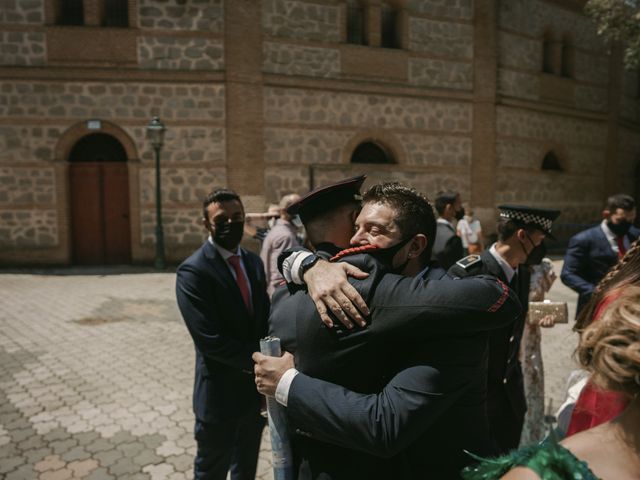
point(231, 444)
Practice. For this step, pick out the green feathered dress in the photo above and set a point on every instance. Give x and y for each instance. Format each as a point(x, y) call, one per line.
point(549, 459)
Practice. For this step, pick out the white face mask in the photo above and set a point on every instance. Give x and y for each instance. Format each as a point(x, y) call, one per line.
point(271, 222)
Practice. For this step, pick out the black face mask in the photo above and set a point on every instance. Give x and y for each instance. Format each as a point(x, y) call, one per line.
point(459, 214)
point(386, 255)
point(619, 229)
point(228, 234)
point(536, 255)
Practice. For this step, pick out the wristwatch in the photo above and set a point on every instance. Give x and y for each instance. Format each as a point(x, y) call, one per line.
point(306, 264)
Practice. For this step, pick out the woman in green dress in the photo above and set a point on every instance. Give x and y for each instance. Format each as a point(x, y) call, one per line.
point(610, 349)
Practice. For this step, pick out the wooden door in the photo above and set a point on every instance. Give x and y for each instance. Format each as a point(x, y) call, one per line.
point(100, 213)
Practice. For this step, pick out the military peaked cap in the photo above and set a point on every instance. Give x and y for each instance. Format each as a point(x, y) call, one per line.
point(327, 197)
point(541, 218)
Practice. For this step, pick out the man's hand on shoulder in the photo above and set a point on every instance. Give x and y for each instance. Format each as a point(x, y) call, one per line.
point(269, 371)
point(331, 291)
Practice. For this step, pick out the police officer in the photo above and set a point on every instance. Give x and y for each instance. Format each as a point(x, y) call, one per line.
point(521, 231)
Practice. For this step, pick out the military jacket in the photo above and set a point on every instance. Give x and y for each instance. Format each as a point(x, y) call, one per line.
point(505, 373)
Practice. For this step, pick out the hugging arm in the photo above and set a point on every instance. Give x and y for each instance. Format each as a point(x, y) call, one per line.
point(381, 424)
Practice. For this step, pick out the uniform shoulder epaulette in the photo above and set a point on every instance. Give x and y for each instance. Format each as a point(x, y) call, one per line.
point(468, 261)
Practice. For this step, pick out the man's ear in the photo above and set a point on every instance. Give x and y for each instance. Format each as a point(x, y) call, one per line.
point(606, 213)
point(417, 245)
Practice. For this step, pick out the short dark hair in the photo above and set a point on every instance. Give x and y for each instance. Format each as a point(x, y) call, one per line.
point(507, 228)
point(620, 200)
point(414, 212)
point(218, 195)
point(444, 198)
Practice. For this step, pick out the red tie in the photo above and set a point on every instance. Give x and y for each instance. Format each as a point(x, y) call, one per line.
point(621, 249)
point(241, 279)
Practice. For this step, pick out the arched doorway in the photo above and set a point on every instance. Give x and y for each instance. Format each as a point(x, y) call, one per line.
point(99, 193)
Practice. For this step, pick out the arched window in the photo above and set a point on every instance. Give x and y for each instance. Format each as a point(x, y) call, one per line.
point(370, 152)
point(548, 53)
point(389, 31)
point(97, 147)
point(70, 12)
point(566, 58)
point(355, 24)
point(116, 13)
point(551, 162)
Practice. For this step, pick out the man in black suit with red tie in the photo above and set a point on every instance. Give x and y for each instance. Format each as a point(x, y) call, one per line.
point(221, 292)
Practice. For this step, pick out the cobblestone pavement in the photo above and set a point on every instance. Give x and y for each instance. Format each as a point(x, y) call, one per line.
point(96, 374)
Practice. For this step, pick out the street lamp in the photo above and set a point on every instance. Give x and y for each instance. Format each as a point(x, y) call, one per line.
point(155, 134)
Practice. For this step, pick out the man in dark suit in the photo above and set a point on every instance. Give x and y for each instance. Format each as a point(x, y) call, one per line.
point(521, 231)
point(426, 333)
point(592, 252)
point(447, 248)
point(221, 292)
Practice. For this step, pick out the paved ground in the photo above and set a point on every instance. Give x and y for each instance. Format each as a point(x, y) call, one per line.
point(96, 375)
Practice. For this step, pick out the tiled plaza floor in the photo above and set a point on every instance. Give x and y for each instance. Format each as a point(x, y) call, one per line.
point(96, 374)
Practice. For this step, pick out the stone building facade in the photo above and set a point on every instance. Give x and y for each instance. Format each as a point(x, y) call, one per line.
point(503, 100)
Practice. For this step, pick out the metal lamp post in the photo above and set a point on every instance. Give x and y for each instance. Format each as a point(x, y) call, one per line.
point(155, 134)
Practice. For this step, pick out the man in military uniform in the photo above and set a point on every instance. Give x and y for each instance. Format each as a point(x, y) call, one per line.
point(415, 323)
point(521, 231)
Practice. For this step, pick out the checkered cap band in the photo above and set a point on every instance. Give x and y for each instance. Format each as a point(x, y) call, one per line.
point(528, 219)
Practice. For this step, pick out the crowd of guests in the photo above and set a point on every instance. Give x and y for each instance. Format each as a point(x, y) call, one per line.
point(409, 349)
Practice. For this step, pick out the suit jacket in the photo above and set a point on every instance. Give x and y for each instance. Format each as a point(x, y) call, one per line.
point(447, 247)
point(505, 380)
point(406, 314)
point(588, 258)
point(224, 333)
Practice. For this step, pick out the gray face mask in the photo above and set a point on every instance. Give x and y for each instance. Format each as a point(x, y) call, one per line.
point(296, 221)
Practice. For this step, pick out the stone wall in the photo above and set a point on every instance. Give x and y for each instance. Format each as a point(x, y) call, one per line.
point(180, 186)
point(194, 15)
point(27, 143)
point(301, 20)
point(182, 227)
point(22, 12)
point(441, 73)
point(28, 228)
point(171, 53)
point(444, 39)
point(82, 100)
point(27, 186)
point(290, 59)
point(524, 137)
point(629, 161)
point(307, 107)
point(630, 98)
point(286, 145)
point(22, 48)
point(184, 145)
point(462, 9)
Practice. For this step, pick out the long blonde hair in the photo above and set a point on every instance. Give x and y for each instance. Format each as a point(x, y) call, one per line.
point(610, 347)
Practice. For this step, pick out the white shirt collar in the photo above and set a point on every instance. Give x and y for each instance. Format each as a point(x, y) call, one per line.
point(607, 231)
point(444, 221)
point(223, 251)
point(508, 270)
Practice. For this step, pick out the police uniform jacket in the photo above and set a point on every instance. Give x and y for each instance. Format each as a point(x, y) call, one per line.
point(406, 314)
point(505, 380)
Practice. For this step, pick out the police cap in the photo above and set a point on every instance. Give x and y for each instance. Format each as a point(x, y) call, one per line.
point(541, 218)
point(327, 197)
